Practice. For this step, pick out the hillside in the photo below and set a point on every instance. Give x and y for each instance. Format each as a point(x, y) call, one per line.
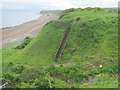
point(86, 39)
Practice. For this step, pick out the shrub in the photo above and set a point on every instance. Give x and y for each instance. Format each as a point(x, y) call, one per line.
point(69, 10)
point(77, 18)
point(10, 76)
point(26, 41)
point(18, 69)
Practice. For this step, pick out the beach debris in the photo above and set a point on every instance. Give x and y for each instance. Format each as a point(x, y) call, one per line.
point(5, 84)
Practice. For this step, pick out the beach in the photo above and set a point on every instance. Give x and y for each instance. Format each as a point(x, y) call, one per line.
point(28, 29)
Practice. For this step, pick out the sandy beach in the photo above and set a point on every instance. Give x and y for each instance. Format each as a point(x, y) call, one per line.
point(29, 29)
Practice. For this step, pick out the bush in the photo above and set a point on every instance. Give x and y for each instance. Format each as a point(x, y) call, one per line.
point(18, 69)
point(69, 10)
point(77, 18)
point(26, 41)
point(10, 76)
point(65, 12)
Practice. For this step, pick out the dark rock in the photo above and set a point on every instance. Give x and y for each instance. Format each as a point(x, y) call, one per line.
point(73, 50)
point(82, 25)
point(90, 81)
point(27, 37)
point(77, 18)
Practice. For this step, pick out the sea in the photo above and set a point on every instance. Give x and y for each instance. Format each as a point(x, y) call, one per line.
point(11, 17)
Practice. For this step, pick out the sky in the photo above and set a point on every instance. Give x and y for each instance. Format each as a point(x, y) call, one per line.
point(56, 4)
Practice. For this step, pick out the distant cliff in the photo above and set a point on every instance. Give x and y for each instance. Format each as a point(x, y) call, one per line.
point(57, 12)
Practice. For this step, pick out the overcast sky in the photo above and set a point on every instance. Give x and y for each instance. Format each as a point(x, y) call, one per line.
point(56, 4)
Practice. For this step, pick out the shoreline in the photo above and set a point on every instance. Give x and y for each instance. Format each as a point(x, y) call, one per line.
point(28, 29)
point(20, 24)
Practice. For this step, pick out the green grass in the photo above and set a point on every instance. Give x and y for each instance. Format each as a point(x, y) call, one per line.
point(94, 38)
point(7, 53)
point(44, 46)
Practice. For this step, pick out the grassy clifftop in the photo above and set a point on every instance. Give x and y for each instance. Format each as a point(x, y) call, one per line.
point(91, 52)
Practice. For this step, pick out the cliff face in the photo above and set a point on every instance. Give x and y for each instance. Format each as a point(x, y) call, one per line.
point(56, 12)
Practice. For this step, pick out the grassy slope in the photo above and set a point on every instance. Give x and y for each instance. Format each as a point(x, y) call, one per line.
point(44, 46)
point(94, 39)
point(98, 39)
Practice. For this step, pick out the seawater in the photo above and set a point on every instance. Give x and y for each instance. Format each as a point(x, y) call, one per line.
point(10, 18)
